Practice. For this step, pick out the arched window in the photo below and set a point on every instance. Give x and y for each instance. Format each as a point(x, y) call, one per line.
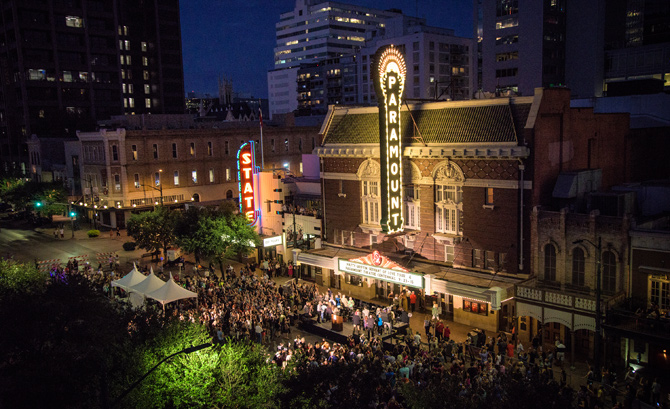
point(229, 194)
point(448, 199)
point(608, 272)
point(369, 173)
point(578, 267)
point(550, 262)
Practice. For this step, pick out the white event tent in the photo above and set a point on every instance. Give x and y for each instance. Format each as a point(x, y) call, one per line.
point(149, 284)
point(170, 292)
point(130, 279)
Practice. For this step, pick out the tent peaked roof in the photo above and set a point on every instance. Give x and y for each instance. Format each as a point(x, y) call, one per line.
point(150, 283)
point(130, 279)
point(170, 292)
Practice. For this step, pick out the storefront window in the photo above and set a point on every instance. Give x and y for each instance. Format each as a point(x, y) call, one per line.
point(352, 279)
point(476, 307)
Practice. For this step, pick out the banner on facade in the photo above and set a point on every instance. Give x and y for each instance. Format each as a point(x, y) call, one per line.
point(380, 273)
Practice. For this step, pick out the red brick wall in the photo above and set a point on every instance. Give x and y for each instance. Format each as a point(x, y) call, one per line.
point(491, 229)
point(341, 213)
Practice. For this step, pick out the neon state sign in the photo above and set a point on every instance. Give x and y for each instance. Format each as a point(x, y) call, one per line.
point(390, 83)
point(246, 170)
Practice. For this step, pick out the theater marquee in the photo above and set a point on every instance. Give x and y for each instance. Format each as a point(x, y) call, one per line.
point(380, 273)
point(246, 170)
point(389, 84)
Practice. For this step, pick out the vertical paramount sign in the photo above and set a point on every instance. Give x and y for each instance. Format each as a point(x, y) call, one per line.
point(246, 169)
point(390, 83)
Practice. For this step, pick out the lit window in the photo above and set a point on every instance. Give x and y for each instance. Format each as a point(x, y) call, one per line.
point(137, 181)
point(449, 251)
point(209, 149)
point(211, 176)
point(448, 207)
point(147, 88)
point(155, 147)
point(157, 178)
point(117, 182)
point(128, 60)
point(130, 88)
point(192, 148)
point(131, 102)
point(67, 76)
point(176, 178)
point(147, 102)
point(145, 61)
point(74, 21)
point(36, 75)
point(134, 149)
point(127, 44)
point(144, 46)
point(489, 195)
point(194, 176)
point(145, 75)
point(412, 209)
point(227, 174)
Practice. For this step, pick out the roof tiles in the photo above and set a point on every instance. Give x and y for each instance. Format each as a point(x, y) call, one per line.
point(473, 124)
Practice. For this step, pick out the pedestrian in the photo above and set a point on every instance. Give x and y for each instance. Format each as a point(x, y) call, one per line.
point(62, 233)
point(412, 301)
point(118, 232)
point(55, 233)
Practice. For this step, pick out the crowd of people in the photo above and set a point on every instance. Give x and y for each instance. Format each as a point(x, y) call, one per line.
point(246, 306)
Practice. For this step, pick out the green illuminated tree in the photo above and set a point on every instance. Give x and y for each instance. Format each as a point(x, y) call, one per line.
point(18, 277)
point(153, 230)
point(230, 375)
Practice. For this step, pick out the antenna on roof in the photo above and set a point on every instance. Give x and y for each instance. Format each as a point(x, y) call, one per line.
point(416, 127)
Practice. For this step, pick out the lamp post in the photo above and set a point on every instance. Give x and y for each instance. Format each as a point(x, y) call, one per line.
point(189, 350)
point(597, 339)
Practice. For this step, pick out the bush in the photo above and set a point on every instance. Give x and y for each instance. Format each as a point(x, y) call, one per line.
point(93, 233)
point(129, 245)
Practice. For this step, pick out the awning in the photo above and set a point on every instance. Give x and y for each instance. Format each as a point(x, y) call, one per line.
point(523, 310)
point(566, 186)
point(317, 260)
point(491, 295)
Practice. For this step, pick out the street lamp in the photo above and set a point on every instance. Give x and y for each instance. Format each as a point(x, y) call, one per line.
point(189, 350)
point(597, 339)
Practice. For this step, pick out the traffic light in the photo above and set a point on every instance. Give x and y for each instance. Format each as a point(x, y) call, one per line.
point(73, 213)
point(38, 204)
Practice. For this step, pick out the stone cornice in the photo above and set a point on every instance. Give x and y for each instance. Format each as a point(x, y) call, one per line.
point(493, 151)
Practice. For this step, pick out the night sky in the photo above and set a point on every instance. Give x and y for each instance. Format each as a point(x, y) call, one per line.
point(236, 38)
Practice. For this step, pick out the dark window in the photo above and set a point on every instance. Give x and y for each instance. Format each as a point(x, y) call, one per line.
point(155, 151)
point(609, 272)
point(578, 267)
point(550, 262)
point(174, 150)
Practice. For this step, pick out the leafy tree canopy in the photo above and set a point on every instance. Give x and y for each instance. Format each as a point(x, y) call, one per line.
point(23, 194)
point(153, 230)
point(18, 277)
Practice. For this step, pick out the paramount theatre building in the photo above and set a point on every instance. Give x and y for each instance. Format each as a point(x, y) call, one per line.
point(442, 219)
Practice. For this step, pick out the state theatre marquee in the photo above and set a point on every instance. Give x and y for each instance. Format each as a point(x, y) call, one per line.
point(380, 273)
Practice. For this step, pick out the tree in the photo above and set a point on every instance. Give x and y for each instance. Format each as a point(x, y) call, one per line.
point(22, 194)
point(232, 375)
point(217, 235)
point(64, 345)
point(18, 277)
point(153, 230)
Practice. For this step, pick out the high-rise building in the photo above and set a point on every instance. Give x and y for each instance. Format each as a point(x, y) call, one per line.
point(637, 47)
point(66, 64)
point(313, 31)
point(438, 62)
point(523, 44)
point(595, 48)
